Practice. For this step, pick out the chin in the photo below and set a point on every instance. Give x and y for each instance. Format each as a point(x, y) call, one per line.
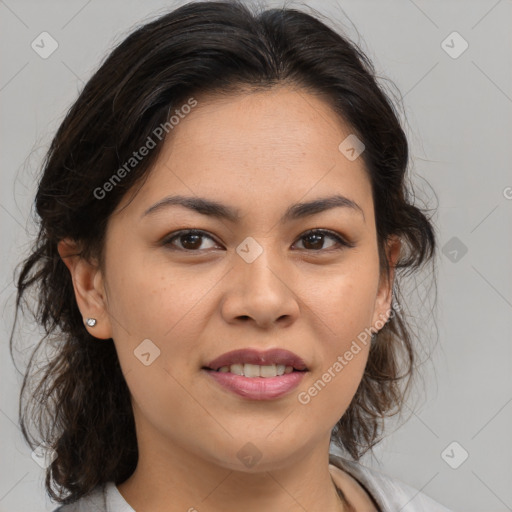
point(257, 455)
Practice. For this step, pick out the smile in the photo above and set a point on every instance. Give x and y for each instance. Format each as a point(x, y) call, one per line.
point(255, 370)
point(257, 375)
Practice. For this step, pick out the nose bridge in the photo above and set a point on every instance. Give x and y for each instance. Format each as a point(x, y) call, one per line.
point(259, 288)
point(259, 262)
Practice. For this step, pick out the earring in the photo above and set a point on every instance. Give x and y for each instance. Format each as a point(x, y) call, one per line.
point(91, 322)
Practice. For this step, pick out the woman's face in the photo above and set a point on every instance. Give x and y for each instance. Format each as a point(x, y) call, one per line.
point(258, 281)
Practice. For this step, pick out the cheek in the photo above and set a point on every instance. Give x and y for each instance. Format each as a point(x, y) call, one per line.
point(162, 319)
point(330, 391)
point(344, 297)
point(156, 322)
point(164, 404)
point(343, 348)
point(344, 302)
point(155, 299)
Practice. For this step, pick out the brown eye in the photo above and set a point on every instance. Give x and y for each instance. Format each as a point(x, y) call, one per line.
point(314, 240)
point(189, 240)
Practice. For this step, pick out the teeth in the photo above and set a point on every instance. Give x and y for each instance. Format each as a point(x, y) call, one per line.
point(267, 371)
point(237, 369)
point(254, 370)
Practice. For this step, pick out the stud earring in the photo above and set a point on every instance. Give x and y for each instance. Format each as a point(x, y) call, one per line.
point(91, 322)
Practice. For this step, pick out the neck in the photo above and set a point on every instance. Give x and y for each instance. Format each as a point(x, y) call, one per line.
point(177, 480)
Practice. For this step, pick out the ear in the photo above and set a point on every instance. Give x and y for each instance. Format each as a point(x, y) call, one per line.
point(384, 298)
point(89, 288)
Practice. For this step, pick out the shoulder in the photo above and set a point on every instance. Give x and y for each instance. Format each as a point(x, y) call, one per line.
point(390, 493)
point(95, 500)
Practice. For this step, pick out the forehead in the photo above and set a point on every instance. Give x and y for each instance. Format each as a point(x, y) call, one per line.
point(259, 148)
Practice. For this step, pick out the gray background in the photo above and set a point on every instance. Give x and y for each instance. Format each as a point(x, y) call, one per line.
point(459, 113)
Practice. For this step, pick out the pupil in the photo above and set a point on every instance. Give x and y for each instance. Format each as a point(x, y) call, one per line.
point(317, 240)
point(195, 244)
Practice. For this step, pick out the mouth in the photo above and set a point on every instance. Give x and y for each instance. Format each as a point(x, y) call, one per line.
point(253, 363)
point(257, 375)
point(255, 370)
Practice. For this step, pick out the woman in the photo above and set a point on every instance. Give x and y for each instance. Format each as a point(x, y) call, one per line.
point(224, 218)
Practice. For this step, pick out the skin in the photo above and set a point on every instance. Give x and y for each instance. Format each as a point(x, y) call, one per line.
point(258, 152)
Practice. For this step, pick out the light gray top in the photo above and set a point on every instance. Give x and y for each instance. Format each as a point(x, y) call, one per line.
point(389, 493)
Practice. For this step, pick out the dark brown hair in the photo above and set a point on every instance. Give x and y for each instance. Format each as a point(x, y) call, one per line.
point(79, 400)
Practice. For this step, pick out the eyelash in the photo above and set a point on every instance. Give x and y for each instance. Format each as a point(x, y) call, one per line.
point(341, 241)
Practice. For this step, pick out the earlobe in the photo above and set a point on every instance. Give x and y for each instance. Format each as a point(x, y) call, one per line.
point(89, 291)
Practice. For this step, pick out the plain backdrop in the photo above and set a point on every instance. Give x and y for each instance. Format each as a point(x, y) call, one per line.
point(457, 444)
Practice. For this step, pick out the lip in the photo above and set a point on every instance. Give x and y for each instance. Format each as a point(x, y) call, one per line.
point(257, 388)
point(252, 356)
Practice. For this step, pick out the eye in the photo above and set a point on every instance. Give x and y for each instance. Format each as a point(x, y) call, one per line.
point(190, 239)
point(316, 237)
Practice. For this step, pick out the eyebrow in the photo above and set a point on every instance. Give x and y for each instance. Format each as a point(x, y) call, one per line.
point(218, 210)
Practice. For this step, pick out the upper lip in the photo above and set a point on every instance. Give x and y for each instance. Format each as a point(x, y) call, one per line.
point(263, 358)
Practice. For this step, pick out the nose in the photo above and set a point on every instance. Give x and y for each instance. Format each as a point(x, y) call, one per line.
point(261, 292)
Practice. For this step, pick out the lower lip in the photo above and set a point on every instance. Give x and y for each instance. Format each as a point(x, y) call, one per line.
point(258, 388)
